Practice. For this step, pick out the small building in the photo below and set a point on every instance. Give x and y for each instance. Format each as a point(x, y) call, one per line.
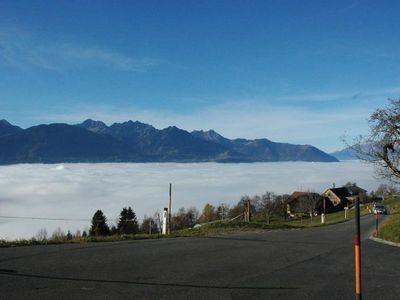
point(345, 195)
point(300, 203)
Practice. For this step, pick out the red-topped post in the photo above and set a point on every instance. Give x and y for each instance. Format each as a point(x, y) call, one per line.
point(357, 250)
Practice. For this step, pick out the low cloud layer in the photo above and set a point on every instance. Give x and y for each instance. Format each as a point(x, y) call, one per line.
point(76, 191)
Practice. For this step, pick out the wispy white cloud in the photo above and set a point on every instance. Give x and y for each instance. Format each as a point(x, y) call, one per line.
point(350, 5)
point(383, 93)
point(23, 50)
point(114, 59)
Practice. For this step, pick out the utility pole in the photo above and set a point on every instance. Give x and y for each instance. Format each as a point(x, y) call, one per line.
point(169, 209)
point(248, 211)
point(357, 250)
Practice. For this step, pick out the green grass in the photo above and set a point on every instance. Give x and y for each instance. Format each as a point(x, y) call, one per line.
point(331, 218)
point(81, 240)
point(390, 230)
point(32, 242)
point(207, 229)
point(225, 227)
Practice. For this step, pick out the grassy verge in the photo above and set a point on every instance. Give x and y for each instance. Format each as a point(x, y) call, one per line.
point(225, 227)
point(332, 218)
point(209, 229)
point(81, 240)
point(390, 230)
point(214, 228)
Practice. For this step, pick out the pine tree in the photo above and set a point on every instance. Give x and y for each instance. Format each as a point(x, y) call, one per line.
point(127, 221)
point(99, 224)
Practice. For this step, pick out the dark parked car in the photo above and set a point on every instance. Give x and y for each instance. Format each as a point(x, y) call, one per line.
point(380, 209)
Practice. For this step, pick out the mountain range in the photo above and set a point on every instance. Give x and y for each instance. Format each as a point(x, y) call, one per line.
point(350, 153)
point(94, 141)
point(345, 154)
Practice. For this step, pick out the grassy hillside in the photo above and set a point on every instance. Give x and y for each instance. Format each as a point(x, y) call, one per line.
point(390, 230)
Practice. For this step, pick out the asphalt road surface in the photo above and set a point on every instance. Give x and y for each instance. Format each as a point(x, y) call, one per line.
point(315, 263)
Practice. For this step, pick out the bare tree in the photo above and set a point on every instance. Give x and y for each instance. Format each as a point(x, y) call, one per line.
point(281, 205)
point(58, 235)
point(382, 146)
point(42, 235)
point(386, 190)
point(192, 214)
point(241, 207)
point(188, 217)
point(77, 234)
point(157, 219)
point(268, 205)
point(149, 225)
point(223, 210)
point(179, 219)
point(310, 201)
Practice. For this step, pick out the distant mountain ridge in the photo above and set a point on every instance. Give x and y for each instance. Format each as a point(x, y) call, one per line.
point(350, 153)
point(94, 141)
point(266, 150)
point(7, 129)
point(345, 154)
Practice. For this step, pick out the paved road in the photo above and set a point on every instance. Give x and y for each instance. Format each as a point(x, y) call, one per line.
point(292, 264)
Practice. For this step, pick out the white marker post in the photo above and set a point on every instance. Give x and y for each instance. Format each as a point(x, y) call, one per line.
point(165, 218)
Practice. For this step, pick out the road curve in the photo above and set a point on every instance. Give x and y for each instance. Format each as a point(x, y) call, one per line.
point(316, 263)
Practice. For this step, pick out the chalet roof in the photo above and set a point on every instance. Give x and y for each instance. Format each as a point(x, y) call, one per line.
point(355, 190)
point(340, 192)
point(296, 195)
point(347, 191)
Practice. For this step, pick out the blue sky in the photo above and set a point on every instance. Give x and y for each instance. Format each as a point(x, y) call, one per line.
point(304, 72)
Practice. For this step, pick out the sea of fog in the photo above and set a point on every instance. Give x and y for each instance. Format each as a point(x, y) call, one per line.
point(76, 191)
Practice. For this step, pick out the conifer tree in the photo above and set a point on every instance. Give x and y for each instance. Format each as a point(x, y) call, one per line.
point(99, 225)
point(127, 221)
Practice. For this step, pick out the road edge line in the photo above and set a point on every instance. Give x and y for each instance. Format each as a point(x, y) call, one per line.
point(378, 240)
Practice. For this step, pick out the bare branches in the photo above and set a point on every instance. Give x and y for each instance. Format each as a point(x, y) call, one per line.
point(382, 146)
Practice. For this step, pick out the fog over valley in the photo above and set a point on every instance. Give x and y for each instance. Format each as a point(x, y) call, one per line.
point(76, 191)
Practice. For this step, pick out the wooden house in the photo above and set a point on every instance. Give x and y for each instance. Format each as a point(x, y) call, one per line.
point(345, 196)
point(300, 203)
